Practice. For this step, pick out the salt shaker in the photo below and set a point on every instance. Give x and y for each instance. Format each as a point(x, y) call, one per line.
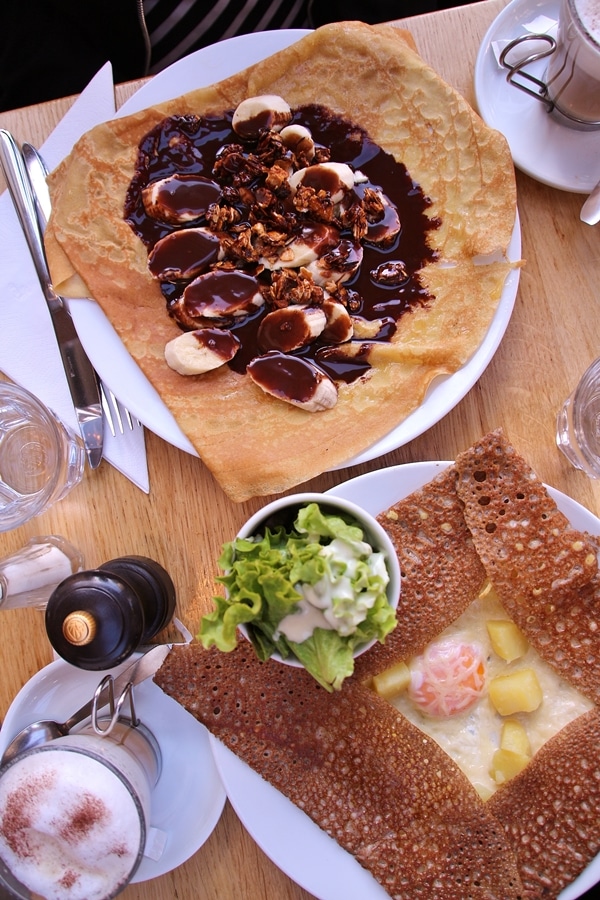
point(29, 576)
point(97, 618)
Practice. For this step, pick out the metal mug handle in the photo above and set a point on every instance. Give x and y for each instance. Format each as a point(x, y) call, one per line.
point(517, 69)
point(115, 708)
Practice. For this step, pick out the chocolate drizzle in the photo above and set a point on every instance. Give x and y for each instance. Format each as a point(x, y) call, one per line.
point(387, 284)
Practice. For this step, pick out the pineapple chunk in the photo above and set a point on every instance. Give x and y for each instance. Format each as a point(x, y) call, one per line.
point(506, 764)
point(518, 691)
point(507, 641)
point(514, 738)
point(392, 681)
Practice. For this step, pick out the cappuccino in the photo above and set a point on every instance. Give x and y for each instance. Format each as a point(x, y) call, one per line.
point(573, 74)
point(71, 827)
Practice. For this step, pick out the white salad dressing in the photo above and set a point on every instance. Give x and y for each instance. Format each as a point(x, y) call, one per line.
point(333, 602)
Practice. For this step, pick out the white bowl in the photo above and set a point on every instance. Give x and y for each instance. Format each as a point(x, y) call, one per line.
point(283, 511)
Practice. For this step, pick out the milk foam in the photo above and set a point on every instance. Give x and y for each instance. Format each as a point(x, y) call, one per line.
point(589, 13)
point(69, 827)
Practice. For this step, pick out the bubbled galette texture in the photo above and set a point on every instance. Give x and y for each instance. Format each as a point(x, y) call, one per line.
point(371, 76)
point(366, 775)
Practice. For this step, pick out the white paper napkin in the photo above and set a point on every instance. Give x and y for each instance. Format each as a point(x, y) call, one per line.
point(29, 353)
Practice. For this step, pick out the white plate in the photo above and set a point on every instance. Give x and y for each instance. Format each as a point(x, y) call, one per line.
point(118, 369)
point(322, 867)
point(188, 798)
point(541, 146)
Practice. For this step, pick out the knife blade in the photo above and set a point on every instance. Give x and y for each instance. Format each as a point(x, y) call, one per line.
point(80, 374)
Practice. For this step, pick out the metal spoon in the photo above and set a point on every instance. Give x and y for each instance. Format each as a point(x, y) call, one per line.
point(46, 730)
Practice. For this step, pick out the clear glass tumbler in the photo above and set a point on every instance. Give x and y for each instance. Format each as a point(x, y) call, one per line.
point(578, 423)
point(41, 459)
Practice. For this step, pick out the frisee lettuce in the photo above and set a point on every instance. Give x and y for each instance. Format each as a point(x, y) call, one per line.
point(324, 558)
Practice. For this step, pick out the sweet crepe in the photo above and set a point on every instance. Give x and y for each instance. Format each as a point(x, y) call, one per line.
point(368, 75)
point(370, 778)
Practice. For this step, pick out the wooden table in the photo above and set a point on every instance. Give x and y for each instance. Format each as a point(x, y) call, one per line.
point(553, 334)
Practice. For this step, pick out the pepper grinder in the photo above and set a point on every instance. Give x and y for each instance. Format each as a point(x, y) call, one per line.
point(98, 618)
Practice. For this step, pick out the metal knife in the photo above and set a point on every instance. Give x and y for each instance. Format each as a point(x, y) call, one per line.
point(81, 377)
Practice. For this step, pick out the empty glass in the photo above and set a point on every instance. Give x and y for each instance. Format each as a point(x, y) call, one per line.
point(578, 424)
point(41, 459)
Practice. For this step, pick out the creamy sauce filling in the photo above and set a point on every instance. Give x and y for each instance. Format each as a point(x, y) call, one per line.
point(470, 738)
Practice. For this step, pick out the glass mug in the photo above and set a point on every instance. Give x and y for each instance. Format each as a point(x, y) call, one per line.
point(573, 73)
point(41, 460)
point(75, 814)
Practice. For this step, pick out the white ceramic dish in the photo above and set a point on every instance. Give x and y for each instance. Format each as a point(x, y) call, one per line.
point(118, 369)
point(188, 799)
point(282, 508)
point(323, 868)
point(541, 146)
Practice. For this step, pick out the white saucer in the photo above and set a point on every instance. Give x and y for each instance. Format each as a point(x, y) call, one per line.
point(541, 146)
point(188, 799)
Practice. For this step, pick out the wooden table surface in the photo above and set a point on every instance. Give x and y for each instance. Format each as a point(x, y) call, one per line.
point(553, 334)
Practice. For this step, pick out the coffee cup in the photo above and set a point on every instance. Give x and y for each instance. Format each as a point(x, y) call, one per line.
point(573, 74)
point(75, 814)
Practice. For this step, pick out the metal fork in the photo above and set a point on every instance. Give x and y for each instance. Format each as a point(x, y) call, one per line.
point(115, 413)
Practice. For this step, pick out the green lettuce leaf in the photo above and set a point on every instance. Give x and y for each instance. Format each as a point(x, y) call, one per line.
point(265, 578)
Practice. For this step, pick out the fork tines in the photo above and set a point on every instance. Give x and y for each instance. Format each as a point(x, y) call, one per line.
point(114, 412)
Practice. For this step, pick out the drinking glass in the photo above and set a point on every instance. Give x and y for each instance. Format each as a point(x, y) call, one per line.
point(573, 74)
point(578, 424)
point(41, 459)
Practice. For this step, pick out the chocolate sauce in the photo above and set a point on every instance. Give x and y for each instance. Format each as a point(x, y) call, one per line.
point(181, 197)
point(293, 376)
point(226, 293)
point(219, 340)
point(386, 285)
point(183, 254)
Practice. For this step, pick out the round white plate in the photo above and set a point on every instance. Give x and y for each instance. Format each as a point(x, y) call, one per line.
point(540, 145)
point(121, 373)
point(321, 866)
point(188, 798)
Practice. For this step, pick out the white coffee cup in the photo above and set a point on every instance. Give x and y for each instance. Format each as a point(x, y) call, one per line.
point(573, 73)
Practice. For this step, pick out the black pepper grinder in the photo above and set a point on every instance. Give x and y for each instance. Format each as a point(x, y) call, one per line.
point(98, 618)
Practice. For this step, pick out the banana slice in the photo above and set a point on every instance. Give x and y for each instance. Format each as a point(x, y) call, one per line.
point(299, 140)
point(335, 178)
point(290, 328)
point(339, 325)
point(293, 380)
point(184, 254)
point(314, 240)
point(180, 198)
point(196, 352)
point(267, 112)
point(219, 294)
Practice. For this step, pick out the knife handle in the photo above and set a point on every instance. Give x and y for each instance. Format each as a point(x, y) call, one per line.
point(22, 197)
